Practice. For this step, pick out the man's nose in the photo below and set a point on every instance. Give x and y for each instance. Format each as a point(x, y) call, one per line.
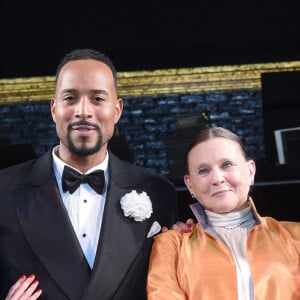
point(84, 108)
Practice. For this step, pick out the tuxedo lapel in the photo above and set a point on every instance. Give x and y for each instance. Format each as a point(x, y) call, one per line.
point(120, 240)
point(47, 228)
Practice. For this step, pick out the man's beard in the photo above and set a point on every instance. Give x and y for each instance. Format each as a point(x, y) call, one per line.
point(82, 149)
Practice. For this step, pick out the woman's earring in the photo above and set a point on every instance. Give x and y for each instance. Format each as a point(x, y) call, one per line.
point(193, 196)
point(252, 181)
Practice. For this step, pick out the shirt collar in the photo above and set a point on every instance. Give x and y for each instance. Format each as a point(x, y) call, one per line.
point(59, 164)
point(200, 215)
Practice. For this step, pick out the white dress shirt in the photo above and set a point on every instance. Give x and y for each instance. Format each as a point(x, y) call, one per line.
point(85, 207)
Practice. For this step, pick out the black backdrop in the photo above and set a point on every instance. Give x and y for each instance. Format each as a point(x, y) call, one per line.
point(141, 35)
point(281, 110)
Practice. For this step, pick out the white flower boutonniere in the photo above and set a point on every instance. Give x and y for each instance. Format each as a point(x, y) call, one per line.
point(136, 206)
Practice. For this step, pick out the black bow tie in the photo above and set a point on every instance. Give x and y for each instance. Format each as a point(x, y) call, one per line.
point(72, 179)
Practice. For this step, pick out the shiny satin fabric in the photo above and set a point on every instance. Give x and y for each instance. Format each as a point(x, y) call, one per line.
point(197, 266)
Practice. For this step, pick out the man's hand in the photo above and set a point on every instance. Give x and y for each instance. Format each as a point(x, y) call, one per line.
point(181, 227)
point(24, 289)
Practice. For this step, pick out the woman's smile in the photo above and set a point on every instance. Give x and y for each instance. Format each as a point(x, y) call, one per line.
point(220, 193)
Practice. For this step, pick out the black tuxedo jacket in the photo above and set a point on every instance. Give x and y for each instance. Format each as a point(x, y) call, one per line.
point(36, 235)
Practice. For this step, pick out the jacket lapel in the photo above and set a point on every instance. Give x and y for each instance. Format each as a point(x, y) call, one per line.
point(47, 228)
point(121, 237)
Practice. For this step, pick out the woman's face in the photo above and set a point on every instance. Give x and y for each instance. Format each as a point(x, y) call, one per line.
point(219, 175)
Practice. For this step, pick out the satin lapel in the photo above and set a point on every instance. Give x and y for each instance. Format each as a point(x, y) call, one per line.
point(120, 241)
point(49, 232)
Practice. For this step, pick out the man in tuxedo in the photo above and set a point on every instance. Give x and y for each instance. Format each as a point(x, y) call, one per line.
point(78, 222)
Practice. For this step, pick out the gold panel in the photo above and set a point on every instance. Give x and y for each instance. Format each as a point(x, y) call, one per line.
point(155, 83)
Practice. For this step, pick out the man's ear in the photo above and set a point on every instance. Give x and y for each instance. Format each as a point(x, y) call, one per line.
point(118, 109)
point(52, 107)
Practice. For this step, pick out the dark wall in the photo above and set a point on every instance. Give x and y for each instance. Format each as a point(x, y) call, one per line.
point(281, 110)
point(145, 130)
point(148, 133)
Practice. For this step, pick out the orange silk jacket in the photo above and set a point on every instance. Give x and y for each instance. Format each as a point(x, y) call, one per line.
point(198, 266)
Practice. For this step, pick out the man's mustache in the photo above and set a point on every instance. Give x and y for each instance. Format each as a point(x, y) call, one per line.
point(83, 122)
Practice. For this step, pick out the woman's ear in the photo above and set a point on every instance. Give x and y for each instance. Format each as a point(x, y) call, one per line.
point(187, 182)
point(252, 170)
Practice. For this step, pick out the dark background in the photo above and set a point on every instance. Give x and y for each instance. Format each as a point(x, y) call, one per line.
point(146, 35)
point(162, 34)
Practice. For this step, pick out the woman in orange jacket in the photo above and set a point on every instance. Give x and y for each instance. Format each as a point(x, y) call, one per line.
point(232, 252)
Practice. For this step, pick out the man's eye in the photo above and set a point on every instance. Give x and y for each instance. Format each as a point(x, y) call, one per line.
point(69, 98)
point(98, 99)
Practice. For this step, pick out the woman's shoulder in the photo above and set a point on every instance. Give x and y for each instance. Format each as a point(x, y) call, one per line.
point(290, 227)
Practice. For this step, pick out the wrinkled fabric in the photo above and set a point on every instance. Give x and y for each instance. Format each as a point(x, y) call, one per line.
point(197, 266)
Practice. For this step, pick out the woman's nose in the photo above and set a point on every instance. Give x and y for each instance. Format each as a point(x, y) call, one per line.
point(217, 176)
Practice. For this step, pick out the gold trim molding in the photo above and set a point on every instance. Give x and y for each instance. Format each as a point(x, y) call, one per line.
point(156, 83)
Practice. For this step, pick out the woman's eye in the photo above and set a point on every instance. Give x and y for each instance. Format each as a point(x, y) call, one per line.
point(203, 171)
point(227, 164)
